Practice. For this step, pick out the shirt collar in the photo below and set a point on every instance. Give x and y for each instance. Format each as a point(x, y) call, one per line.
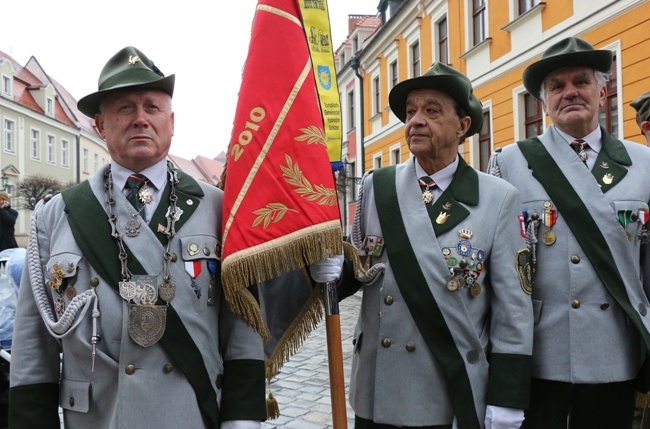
point(593, 139)
point(443, 177)
point(157, 174)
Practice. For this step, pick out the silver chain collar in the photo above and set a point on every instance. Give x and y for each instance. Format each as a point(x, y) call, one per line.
point(170, 230)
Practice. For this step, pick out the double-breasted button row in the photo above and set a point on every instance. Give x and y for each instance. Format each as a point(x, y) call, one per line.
point(167, 368)
point(576, 304)
point(386, 343)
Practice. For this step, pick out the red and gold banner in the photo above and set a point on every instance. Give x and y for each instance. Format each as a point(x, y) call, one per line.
point(280, 207)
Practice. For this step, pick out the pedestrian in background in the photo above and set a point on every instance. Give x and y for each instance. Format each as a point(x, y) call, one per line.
point(8, 218)
point(642, 106)
point(445, 328)
point(126, 270)
point(586, 196)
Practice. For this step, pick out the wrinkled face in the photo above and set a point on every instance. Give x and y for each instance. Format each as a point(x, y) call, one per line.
point(572, 98)
point(433, 127)
point(137, 125)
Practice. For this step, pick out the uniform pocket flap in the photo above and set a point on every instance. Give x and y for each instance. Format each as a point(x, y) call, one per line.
point(75, 395)
point(62, 265)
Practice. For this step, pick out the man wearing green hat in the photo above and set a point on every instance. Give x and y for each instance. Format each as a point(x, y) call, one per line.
point(444, 335)
point(642, 106)
point(124, 284)
point(585, 211)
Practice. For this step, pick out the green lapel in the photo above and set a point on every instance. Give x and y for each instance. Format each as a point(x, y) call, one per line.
point(609, 168)
point(188, 194)
point(420, 301)
point(581, 223)
point(92, 233)
point(447, 212)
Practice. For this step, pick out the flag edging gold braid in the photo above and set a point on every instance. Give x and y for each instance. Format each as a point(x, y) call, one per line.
point(296, 334)
point(260, 263)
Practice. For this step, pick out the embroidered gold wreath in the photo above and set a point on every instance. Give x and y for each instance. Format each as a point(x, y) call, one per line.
point(313, 135)
point(272, 212)
point(319, 194)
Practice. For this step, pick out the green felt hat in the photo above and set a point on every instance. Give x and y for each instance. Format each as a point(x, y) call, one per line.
point(443, 78)
point(129, 68)
point(569, 52)
point(642, 106)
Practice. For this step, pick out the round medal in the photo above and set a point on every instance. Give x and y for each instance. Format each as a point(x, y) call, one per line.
point(549, 237)
point(475, 290)
point(70, 292)
point(455, 283)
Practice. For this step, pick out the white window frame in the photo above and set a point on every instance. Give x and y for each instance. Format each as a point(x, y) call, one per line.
point(84, 159)
point(9, 135)
point(395, 152)
point(6, 85)
point(65, 153)
point(96, 159)
point(35, 144)
point(50, 147)
point(377, 161)
point(49, 103)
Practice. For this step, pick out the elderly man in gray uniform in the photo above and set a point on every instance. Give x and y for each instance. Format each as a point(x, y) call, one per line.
point(585, 206)
point(122, 281)
point(445, 331)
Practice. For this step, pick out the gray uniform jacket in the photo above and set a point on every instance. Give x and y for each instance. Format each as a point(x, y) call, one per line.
point(582, 335)
point(395, 377)
point(133, 386)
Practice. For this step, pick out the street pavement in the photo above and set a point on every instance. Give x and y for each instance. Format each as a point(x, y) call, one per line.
point(302, 387)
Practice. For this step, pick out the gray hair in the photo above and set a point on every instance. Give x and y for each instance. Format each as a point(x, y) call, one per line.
point(601, 81)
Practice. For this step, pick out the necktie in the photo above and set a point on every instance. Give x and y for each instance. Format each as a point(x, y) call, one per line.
point(134, 184)
point(428, 186)
point(580, 147)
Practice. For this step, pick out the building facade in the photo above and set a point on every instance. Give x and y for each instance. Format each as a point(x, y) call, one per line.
point(492, 42)
point(43, 133)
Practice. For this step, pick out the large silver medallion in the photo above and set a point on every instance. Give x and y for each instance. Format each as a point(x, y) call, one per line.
point(147, 323)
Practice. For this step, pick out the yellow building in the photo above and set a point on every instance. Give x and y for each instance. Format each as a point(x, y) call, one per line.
point(492, 42)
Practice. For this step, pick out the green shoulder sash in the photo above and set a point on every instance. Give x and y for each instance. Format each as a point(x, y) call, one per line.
point(421, 303)
point(581, 223)
point(89, 225)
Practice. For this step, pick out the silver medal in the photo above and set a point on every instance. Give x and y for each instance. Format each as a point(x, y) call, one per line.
point(133, 227)
point(167, 291)
point(147, 323)
point(127, 290)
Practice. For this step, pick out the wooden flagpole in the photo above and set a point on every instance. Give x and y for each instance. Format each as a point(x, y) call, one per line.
point(335, 356)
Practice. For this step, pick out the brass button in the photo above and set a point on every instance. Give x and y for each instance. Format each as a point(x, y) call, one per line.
point(410, 348)
point(388, 300)
point(169, 367)
point(604, 306)
point(472, 356)
point(386, 342)
point(219, 382)
point(130, 369)
point(575, 303)
point(174, 257)
point(71, 401)
point(94, 282)
point(642, 309)
point(575, 259)
point(206, 251)
point(534, 216)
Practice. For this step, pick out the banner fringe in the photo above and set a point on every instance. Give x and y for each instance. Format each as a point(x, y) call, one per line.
point(642, 400)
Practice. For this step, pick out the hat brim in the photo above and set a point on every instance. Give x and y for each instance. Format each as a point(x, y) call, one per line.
point(451, 85)
point(89, 105)
point(535, 74)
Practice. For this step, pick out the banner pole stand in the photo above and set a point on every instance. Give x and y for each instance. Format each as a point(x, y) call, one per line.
point(335, 356)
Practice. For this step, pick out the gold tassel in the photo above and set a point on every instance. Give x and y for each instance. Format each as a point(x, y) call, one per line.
point(642, 400)
point(272, 408)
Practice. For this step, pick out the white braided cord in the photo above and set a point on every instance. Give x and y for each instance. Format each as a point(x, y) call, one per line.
point(77, 306)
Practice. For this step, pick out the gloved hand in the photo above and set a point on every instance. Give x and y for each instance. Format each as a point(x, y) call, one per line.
point(503, 418)
point(328, 270)
point(241, 424)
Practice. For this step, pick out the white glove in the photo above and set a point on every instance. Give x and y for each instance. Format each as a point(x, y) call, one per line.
point(328, 270)
point(503, 418)
point(241, 424)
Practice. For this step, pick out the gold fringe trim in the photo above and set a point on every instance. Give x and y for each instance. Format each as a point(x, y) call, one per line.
point(642, 400)
point(269, 260)
point(296, 334)
point(272, 408)
point(352, 254)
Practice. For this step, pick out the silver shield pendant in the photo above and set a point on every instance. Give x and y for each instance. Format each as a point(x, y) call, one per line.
point(147, 323)
point(133, 227)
